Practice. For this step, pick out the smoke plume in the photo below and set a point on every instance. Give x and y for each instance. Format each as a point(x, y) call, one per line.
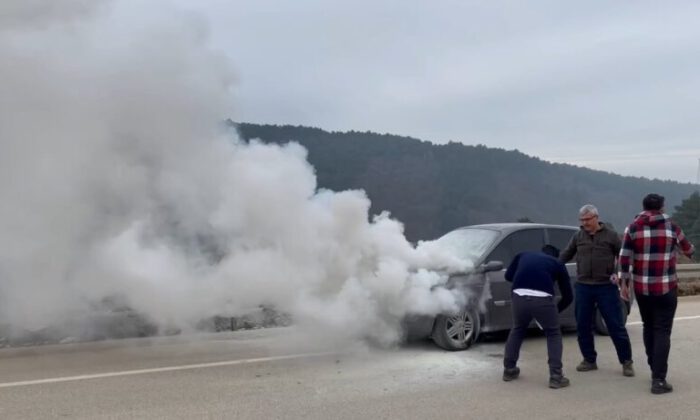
point(119, 181)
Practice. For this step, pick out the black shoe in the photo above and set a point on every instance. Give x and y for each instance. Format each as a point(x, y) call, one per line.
point(660, 387)
point(511, 373)
point(586, 366)
point(627, 368)
point(558, 381)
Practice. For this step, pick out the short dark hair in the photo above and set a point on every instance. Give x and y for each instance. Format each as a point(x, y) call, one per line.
point(653, 202)
point(551, 250)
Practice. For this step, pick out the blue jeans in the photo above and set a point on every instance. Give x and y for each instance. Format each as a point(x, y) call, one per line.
point(607, 298)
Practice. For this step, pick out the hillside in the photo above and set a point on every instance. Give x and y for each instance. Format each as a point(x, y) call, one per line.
point(435, 188)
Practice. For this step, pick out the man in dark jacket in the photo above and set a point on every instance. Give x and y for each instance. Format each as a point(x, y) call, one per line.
point(596, 247)
point(650, 245)
point(533, 275)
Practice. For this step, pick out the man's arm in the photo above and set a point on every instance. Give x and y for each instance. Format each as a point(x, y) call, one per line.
point(686, 247)
point(626, 253)
point(567, 295)
point(616, 245)
point(568, 253)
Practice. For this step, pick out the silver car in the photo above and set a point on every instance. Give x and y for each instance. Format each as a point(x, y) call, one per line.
point(491, 247)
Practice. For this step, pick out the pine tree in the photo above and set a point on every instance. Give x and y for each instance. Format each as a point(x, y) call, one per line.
point(687, 216)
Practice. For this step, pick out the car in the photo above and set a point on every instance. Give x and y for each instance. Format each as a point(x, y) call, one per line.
point(488, 309)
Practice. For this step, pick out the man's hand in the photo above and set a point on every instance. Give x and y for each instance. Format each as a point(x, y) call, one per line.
point(625, 291)
point(614, 279)
point(624, 282)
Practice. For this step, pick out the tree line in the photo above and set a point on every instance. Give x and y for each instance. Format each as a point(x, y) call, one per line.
point(435, 188)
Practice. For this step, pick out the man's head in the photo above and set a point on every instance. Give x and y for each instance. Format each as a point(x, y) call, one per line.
point(551, 250)
point(588, 216)
point(653, 202)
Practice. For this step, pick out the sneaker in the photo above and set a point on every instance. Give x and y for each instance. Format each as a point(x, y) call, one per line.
point(558, 381)
point(586, 366)
point(511, 373)
point(660, 387)
point(627, 368)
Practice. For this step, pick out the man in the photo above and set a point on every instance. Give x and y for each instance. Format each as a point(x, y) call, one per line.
point(533, 275)
point(650, 244)
point(596, 247)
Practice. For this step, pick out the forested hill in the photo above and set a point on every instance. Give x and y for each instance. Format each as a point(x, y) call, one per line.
point(435, 188)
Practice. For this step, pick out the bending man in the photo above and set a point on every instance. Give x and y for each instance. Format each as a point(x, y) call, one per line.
point(533, 275)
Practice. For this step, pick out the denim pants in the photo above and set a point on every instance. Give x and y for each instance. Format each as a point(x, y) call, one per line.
point(606, 297)
point(544, 311)
point(657, 316)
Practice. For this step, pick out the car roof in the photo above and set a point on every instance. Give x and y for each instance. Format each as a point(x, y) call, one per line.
point(512, 227)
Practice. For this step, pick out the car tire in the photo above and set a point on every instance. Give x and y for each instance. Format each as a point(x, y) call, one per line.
point(599, 322)
point(457, 331)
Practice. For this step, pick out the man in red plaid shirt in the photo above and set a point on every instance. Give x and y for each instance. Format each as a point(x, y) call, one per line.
point(650, 245)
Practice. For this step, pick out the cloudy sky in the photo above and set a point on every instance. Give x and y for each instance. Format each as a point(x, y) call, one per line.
point(612, 85)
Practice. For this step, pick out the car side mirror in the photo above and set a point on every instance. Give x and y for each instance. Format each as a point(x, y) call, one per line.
point(492, 266)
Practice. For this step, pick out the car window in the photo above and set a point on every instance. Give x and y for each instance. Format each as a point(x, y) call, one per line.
point(560, 237)
point(516, 242)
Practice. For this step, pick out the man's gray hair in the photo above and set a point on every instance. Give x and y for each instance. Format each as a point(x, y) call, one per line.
point(588, 209)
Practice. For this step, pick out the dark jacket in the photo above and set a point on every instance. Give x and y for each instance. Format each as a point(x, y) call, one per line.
point(538, 271)
point(595, 254)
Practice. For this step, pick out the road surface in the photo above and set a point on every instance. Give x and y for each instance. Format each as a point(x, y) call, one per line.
point(278, 374)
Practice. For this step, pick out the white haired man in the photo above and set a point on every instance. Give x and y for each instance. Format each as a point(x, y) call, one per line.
point(596, 247)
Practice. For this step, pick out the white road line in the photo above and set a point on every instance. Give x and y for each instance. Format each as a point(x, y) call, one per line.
point(678, 318)
point(157, 370)
point(202, 365)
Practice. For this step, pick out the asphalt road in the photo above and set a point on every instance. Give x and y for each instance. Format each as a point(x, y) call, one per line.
point(276, 373)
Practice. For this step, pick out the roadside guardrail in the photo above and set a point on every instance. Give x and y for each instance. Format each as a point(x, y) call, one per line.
point(688, 272)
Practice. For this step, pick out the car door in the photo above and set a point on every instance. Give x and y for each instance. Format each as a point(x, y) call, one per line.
point(560, 237)
point(498, 308)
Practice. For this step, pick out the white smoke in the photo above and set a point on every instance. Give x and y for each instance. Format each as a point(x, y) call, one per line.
point(117, 179)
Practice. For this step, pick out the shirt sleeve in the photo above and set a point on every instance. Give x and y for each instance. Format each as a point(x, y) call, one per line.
point(510, 272)
point(626, 252)
point(686, 247)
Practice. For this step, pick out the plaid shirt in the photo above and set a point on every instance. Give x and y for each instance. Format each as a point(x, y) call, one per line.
point(650, 243)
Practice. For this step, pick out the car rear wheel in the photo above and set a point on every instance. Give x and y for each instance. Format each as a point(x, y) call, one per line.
point(457, 331)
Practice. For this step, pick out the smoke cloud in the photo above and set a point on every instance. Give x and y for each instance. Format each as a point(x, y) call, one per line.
point(118, 181)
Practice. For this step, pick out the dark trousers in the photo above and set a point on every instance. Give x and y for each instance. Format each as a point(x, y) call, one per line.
point(607, 298)
point(544, 311)
point(657, 316)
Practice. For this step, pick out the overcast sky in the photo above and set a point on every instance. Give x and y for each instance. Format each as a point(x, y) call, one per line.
point(611, 85)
